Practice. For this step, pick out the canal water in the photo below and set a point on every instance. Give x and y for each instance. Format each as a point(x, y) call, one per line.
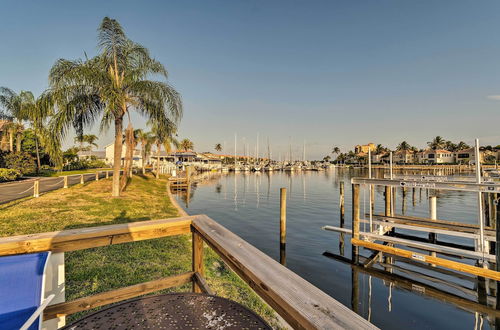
point(404, 296)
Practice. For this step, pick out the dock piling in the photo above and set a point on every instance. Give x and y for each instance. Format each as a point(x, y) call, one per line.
point(282, 225)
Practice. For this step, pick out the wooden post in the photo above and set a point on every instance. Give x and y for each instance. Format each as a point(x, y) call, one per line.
point(36, 188)
point(342, 209)
point(65, 181)
point(197, 259)
point(388, 201)
point(413, 199)
point(282, 217)
point(107, 174)
point(81, 179)
point(355, 221)
point(97, 176)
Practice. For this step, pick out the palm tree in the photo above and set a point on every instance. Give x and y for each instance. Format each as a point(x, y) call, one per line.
point(80, 139)
point(403, 146)
point(336, 150)
point(462, 145)
point(146, 141)
point(218, 147)
point(36, 111)
point(380, 149)
point(90, 140)
point(163, 136)
point(437, 143)
point(11, 102)
point(186, 144)
point(109, 86)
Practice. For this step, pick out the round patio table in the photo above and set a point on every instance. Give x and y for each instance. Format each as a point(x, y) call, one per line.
point(173, 311)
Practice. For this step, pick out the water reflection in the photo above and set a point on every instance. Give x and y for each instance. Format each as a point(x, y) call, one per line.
point(392, 292)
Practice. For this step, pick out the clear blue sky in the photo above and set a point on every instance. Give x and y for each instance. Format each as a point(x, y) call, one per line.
point(328, 72)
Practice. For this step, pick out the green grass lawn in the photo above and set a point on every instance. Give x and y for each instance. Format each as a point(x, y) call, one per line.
point(105, 268)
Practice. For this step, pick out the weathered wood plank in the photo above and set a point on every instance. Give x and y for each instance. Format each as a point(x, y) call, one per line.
point(84, 238)
point(300, 303)
point(202, 283)
point(479, 271)
point(109, 297)
point(197, 259)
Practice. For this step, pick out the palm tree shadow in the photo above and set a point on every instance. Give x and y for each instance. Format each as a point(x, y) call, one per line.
point(119, 219)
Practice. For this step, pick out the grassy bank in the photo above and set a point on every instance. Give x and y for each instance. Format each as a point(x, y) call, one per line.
point(102, 269)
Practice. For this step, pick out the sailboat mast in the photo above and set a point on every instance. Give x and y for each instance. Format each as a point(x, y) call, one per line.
point(304, 152)
point(235, 151)
point(268, 151)
point(257, 149)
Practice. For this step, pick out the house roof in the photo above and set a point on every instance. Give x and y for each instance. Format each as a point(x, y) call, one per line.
point(437, 151)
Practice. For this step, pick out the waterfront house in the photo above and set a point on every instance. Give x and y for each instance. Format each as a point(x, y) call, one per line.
point(468, 156)
point(358, 149)
point(96, 154)
point(405, 157)
point(110, 155)
point(438, 156)
point(379, 158)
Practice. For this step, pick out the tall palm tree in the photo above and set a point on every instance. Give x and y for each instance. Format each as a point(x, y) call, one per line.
point(90, 140)
point(336, 150)
point(437, 143)
point(186, 144)
point(164, 135)
point(462, 145)
point(110, 85)
point(80, 139)
point(37, 112)
point(146, 141)
point(403, 146)
point(11, 103)
point(450, 146)
point(218, 147)
point(380, 149)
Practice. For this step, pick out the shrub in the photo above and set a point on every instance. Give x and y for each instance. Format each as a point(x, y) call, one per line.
point(21, 161)
point(7, 174)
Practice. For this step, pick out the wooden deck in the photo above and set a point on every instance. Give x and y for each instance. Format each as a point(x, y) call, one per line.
point(298, 302)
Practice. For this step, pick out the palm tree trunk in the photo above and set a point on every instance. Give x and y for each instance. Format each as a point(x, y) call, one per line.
point(143, 160)
point(117, 156)
point(11, 141)
point(18, 142)
point(129, 142)
point(38, 165)
point(158, 161)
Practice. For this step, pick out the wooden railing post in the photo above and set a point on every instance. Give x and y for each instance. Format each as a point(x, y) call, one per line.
point(65, 181)
point(81, 179)
point(197, 259)
point(36, 188)
point(97, 176)
point(107, 174)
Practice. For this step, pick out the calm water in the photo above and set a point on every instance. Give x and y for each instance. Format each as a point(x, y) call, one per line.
point(400, 297)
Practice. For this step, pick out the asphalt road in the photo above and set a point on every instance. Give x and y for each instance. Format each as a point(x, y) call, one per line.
point(15, 190)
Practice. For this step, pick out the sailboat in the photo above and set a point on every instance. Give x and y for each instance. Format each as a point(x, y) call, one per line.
point(257, 167)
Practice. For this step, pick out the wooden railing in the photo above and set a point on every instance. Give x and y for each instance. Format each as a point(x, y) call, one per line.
point(301, 304)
